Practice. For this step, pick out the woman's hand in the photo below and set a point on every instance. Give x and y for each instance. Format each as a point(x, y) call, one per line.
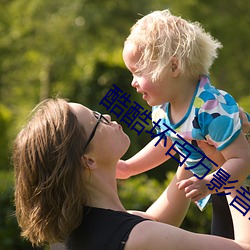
point(212, 153)
point(245, 124)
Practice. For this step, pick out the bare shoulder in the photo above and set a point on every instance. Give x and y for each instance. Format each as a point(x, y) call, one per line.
point(149, 235)
point(154, 235)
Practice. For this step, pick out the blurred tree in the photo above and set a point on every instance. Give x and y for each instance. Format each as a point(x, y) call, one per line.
point(139, 192)
point(228, 22)
point(57, 46)
point(244, 102)
point(72, 48)
point(10, 238)
point(5, 123)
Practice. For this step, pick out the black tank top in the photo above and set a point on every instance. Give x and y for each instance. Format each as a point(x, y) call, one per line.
point(102, 229)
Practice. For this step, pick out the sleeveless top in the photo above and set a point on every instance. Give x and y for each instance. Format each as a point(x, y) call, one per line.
point(102, 229)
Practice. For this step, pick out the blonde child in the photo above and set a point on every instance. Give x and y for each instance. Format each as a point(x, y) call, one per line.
point(170, 59)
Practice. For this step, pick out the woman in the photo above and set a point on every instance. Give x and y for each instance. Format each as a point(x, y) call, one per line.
point(65, 188)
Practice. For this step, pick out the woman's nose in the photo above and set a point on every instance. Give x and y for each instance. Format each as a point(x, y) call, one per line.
point(108, 117)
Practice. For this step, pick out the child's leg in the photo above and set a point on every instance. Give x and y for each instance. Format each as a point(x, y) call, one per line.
point(222, 224)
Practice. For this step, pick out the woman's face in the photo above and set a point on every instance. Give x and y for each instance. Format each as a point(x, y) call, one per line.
point(109, 140)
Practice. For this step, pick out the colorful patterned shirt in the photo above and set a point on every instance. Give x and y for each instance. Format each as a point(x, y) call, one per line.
point(213, 115)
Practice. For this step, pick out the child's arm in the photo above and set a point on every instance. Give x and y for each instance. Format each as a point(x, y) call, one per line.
point(149, 157)
point(237, 158)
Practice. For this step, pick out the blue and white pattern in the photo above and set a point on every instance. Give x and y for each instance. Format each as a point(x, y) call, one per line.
point(213, 115)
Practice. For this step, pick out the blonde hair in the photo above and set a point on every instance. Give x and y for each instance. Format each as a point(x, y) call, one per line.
point(49, 184)
point(160, 36)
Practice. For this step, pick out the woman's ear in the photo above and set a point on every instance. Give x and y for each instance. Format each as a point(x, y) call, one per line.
point(89, 161)
point(175, 66)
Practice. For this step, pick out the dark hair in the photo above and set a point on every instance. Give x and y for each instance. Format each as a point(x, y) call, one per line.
point(49, 180)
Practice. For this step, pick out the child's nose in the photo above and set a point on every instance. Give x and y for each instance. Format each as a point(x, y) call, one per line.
point(134, 83)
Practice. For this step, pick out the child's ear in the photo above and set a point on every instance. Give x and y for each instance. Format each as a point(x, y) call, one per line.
point(175, 66)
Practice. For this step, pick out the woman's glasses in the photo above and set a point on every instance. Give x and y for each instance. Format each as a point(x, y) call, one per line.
point(100, 118)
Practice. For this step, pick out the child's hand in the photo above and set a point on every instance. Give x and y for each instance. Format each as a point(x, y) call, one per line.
point(194, 188)
point(122, 170)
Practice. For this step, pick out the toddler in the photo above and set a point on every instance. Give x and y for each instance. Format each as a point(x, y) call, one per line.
point(170, 59)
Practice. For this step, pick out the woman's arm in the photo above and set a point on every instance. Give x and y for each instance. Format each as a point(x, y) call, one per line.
point(158, 236)
point(237, 159)
point(245, 123)
point(236, 164)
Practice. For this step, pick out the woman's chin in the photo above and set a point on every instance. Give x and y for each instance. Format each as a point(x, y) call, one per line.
point(126, 145)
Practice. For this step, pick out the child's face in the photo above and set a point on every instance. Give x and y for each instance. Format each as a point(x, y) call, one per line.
point(152, 92)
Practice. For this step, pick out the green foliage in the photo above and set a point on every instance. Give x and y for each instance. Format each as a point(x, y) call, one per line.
point(5, 124)
point(139, 192)
point(73, 48)
point(230, 71)
point(9, 231)
point(197, 221)
point(136, 193)
point(245, 103)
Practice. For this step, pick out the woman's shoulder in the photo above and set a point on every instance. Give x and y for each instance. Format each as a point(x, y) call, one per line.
point(156, 235)
point(110, 227)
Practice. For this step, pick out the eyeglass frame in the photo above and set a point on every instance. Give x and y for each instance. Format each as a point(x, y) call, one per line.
point(100, 118)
